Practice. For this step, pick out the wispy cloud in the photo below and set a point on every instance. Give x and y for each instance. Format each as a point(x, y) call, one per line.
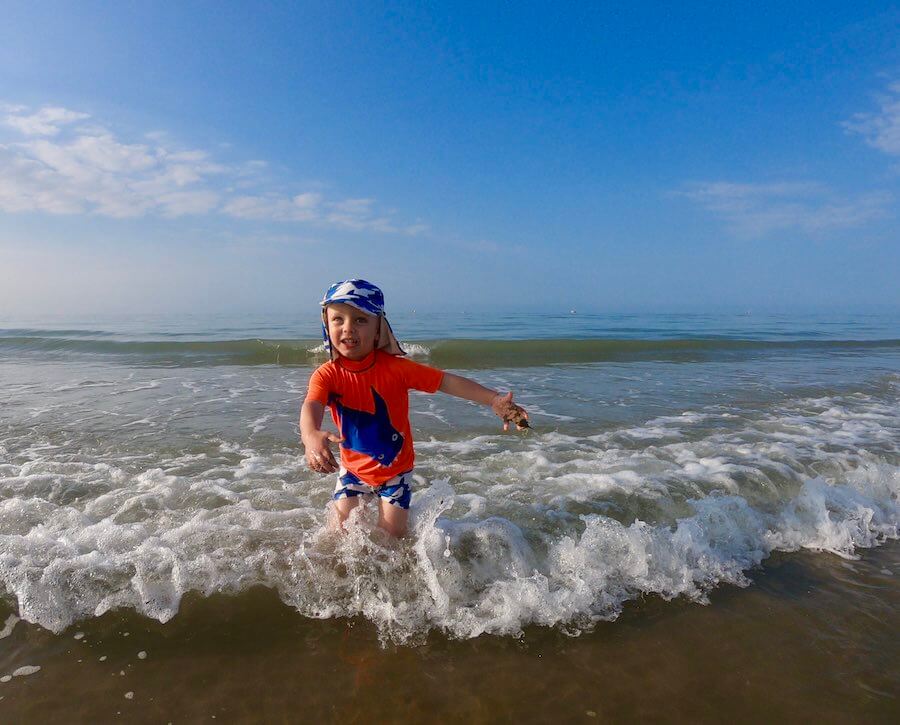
point(301, 208)
point(93, 172)
point(880, 129)
point(45, 122)
point(67, 163)
point(353, 214)
point(761, 209)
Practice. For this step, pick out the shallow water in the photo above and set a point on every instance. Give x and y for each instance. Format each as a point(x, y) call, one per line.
point(166, 495)
point(814, 637)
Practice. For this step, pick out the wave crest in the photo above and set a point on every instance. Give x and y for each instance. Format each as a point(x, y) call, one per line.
point(464, 577)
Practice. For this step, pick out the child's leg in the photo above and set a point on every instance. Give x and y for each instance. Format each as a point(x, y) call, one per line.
point(394, 498)
point(343, 507)
point(392, 518)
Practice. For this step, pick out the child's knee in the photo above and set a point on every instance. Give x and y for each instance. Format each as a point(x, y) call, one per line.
point(393, 519)
point(343, 507)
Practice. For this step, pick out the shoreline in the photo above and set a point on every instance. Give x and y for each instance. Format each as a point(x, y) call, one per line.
point(813, 637)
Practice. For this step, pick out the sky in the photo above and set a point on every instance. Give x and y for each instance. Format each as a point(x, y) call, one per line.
point(227, 157)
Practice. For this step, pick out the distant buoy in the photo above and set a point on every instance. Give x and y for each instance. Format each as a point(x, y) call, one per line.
point(572, 312)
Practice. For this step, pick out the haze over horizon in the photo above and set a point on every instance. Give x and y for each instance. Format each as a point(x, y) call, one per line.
point(213, 157)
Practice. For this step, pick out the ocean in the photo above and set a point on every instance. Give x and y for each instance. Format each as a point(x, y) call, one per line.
point(702, 523)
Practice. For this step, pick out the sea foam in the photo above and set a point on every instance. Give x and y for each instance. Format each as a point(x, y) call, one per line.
point(463, 576)
point(553, 528)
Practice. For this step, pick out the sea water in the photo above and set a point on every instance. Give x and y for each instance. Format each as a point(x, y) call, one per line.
point(144, 460)
point(691, 529)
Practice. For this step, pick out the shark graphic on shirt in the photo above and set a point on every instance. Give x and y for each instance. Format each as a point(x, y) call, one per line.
point(369, 433)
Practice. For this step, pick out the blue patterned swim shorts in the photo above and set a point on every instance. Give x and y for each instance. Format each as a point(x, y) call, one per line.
point(395, 491)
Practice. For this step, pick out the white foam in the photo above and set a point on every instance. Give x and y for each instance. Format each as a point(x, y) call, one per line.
point(496, 578)
point(141, 422)
point(81, 385)
point(26, 670)
point(8, 626)
point(411, 348)
point(414, 349)
point(549, 528)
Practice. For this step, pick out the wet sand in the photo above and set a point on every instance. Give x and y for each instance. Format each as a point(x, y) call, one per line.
point(815, 638)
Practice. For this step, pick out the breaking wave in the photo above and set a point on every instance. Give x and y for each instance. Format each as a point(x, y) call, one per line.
point(562, 531)
point(453, 353)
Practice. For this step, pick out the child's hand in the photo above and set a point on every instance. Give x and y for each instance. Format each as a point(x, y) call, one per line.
point(509, 412)
point(318, 453)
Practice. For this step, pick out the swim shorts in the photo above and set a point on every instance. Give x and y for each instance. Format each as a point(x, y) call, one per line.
point(395, 491)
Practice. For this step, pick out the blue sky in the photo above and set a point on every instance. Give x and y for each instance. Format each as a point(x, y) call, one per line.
point(241, 156)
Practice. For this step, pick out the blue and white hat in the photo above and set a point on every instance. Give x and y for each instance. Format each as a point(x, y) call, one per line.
point(363, 296)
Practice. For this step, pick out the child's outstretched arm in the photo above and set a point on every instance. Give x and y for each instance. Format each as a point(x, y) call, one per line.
point(501, 404)
point(315, 440)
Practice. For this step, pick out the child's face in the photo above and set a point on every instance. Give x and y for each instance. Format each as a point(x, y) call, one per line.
point(353, 333)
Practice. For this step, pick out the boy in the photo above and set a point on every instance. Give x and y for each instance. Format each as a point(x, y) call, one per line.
point(366, 385)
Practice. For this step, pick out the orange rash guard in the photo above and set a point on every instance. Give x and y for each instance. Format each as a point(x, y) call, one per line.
point(369, 402)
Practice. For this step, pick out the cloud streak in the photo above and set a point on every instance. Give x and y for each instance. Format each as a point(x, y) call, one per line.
point(45, 122)
point(881, 129)
point(760, 209)
point(752, 210)
point(95, 173)
point(352, 214)
point(61, 164)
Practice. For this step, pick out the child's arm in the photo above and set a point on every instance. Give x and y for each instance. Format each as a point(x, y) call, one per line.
point(318, 453)
point(501, 404)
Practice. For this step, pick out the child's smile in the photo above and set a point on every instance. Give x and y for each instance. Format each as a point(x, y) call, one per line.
point(353, 333)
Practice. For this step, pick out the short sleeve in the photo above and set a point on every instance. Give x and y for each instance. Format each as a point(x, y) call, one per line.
point(319, 387)
point(421, 377)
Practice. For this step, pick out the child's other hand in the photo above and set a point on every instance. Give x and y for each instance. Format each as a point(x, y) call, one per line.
point(318, 453)
point(509, 412)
